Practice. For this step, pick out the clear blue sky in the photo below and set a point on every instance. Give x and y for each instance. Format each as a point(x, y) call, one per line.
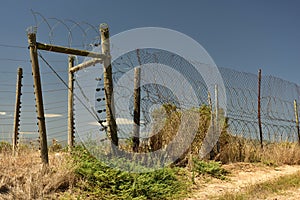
point(242, 35)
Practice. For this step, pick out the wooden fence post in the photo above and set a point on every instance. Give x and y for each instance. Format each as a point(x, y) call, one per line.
point(297, 119)
point(136, 109)
point(259, 109)
point(211, 153)
point(217, 117)
point(71, 105)
point(38, 96)
point(108, 87)
point(17, 109)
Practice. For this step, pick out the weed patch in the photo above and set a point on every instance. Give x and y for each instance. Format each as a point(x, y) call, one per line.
point(211, 168)
point(103, 182)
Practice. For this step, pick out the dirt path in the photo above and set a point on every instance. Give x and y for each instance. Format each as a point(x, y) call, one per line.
point(243, 175)
point(287, 195)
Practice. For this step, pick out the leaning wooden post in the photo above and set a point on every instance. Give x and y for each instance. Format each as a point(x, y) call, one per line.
point(108, 86)
point(297, 119)
point(136, 109)
point(38, 96)
point(259, 108)
point(71, 105)
point(17, 110)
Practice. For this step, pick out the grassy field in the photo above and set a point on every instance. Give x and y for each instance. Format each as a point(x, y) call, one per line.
point(80, 176)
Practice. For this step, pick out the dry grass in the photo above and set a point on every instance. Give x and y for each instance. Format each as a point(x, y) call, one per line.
point(24, 177)
point(265, 189)
point(232, 148)
point(80, 176)
point(282, 153)
point(242, 150)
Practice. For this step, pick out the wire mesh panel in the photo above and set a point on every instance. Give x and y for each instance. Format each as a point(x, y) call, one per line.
point(156, 81)
point(277, 107)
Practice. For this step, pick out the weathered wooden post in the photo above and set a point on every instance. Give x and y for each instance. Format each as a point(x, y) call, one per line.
point(71, 105)
point(297, 119)
point(212, 119)
point(17, 110)
point(98, 58)
point(38, 96)
point(108, 86)
point(259, 109)
point(217, 117)
point(136, 109)
point(210, 107)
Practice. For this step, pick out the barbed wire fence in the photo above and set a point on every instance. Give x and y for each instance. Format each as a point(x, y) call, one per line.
point(278, 97)
point(54, 91)
point(277, 106)
point(279, 123)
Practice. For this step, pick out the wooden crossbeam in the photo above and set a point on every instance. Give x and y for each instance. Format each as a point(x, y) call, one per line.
point(71, 51)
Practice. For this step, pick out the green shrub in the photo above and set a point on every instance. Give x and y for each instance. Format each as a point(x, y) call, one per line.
point(211, 168)
point(103, 182)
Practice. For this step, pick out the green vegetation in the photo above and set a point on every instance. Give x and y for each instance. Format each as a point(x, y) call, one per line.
point(82, 176)
point(99, 181)
point(211, 168)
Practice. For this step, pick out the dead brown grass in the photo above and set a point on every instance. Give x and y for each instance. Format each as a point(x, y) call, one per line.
point(232, 148)
point(24, 177)
point(238, 149)
point(281, 153)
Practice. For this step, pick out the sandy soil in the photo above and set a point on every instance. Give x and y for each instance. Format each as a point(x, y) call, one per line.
point(243, 175)
point(287, 195)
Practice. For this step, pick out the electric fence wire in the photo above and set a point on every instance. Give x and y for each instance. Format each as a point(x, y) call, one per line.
point(91, 110)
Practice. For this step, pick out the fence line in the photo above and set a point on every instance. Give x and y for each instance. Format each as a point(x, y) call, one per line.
point(278, 118)
point(55, 108)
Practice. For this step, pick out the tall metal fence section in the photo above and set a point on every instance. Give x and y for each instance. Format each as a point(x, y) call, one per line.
point(278, 117)
point(274, 109)
point(277, 104)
